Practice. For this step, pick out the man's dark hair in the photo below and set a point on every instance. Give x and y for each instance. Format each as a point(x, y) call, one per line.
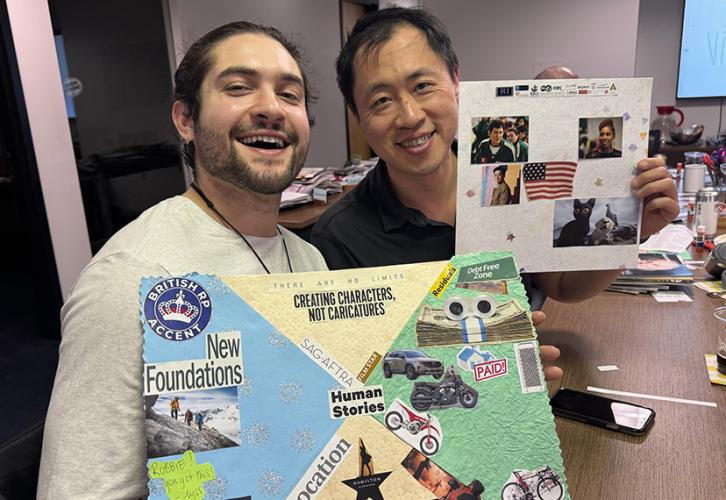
point(495, 124)
point(197, 61)
point(373, 30)
point(522, 129)
point(501, 168)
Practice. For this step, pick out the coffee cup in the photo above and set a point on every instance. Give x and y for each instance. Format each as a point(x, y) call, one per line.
point(694, 178)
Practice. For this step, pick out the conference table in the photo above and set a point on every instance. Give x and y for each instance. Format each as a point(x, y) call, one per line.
point(659, 350)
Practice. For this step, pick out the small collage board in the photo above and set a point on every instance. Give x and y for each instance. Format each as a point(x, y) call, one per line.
point(544, 170)
point(416, 381)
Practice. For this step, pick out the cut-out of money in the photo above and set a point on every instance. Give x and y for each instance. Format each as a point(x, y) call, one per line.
point(499, 286)
point(509, 324)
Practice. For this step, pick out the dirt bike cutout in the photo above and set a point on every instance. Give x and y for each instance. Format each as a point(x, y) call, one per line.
point(407, 424)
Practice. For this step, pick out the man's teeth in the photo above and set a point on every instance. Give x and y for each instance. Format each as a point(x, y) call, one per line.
point(263, 138)
point(416, 142)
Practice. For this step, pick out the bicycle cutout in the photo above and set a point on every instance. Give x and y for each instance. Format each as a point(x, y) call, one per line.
point(543, 482)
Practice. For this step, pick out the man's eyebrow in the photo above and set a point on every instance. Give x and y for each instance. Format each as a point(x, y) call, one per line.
point(245, 71)
point(377, 86)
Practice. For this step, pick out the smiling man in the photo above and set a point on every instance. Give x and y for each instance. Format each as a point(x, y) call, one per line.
point(400, 77)
point(240, 106)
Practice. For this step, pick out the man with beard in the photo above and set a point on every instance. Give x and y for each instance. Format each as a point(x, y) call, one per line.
point(240, 106)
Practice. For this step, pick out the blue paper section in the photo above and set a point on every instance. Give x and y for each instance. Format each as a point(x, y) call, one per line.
point(283, 447)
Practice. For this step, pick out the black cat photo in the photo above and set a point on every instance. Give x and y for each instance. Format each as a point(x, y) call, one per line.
point(573, 233)
point(595, 222)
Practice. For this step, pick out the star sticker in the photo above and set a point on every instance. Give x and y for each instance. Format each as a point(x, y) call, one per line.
point(598, 181)
point(368, 487)
point(510, 236)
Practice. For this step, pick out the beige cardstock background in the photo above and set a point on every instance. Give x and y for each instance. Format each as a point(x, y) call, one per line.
point(378, 333)
point(553, 135)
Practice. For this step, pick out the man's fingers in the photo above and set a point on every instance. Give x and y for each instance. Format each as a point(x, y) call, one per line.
point(663, 187)
point(549, 353)
point(552, 373)
point(650, 163)
point(663, 204)
point(538, 317)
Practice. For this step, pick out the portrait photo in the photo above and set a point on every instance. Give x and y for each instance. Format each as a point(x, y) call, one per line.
point(500, 185)
point(600, 138)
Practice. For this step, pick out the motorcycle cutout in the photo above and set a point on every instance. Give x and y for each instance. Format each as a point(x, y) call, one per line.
point(422, 432)
point(450, 391)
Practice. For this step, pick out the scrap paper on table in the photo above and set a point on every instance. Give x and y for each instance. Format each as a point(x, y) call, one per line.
point(412, 381)
point(544, 170)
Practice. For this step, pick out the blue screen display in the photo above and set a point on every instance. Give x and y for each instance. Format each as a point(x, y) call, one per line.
point(702, 71)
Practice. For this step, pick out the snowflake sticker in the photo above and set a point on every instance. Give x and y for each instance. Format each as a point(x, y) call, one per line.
point(270, 482)
point(632, 148)
point(218, 288)
point(256, 435)
point(302, 440)
point(290, 392)
point(599, 181)
point(245, 388)
point(277, 340)
point(216, 489)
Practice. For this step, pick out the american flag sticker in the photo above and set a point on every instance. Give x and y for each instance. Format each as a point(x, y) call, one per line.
point(549, 180)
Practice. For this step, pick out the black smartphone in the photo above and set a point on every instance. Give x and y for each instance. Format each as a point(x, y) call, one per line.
point(603, 412)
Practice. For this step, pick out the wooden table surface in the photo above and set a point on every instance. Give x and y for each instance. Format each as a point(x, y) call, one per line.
point(306, 215)
point(659, 349)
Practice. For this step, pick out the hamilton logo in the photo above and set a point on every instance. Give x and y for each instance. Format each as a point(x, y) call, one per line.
point(177, 309)
point(368, 483)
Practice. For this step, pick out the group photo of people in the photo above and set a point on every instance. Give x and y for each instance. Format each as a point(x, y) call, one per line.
point(601, 138)
point(501, 139)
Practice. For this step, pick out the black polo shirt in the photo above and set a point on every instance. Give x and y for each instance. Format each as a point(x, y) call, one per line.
point(370, 227)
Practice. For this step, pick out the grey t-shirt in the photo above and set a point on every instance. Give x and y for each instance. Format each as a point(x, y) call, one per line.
point(94, 444)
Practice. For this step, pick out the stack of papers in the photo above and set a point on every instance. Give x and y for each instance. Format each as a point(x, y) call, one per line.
point(656, 271)
point(306, 181)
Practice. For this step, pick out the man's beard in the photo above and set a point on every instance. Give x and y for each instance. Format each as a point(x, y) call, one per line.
point(221, 160)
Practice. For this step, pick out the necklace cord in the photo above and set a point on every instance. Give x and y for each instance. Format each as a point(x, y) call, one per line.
point(211, 206)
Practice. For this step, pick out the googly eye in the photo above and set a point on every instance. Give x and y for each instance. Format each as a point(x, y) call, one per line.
point(456, 309)
point(484, 306)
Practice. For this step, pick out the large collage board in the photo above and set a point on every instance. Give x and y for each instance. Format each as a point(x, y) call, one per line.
point(544, 170)
point(416, 381)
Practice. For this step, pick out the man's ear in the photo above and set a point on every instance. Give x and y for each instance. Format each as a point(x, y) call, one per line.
point(182, 118)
